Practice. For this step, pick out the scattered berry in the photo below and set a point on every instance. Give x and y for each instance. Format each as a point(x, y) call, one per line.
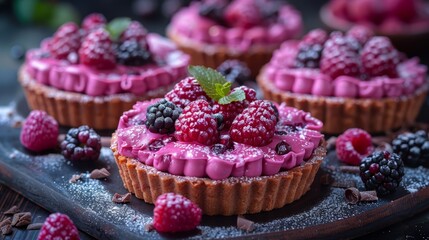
point(134, 31)
point(66, 40)
point(283, 148)
point(58, 226)
point(353, 145)
point(39, 132)
point(131, 53)
point(97, 50)
point(197, 124)
point(379, 57)
point(175, 213)
point(339, 57)
point(413, 148)
point(185, 92)
point(315, 36)
point(308, 56)
point(81, 143)
point(243, 13)
point(161, 116)
point(361, 33)
point(382, 171)
point(93, 21)
point(235, 71)
point(255, 125)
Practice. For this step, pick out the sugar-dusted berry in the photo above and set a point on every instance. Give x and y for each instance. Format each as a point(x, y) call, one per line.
point(161, 117)
point(97, 50)
point(65, 41)
point(81, 143)
point(379, 57)
point(186, 91)
point(39, 132)
point(58, 226)
point(353, 145)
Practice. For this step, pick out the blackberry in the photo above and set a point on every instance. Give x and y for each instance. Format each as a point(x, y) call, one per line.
point(235, 71)
point(81, 143)
point(133, 53)
point(161, 116)
point(413, 148)
point(283, 148)
point(213, 10)
point(382, 171)
point(225, 143)
point(308, 56)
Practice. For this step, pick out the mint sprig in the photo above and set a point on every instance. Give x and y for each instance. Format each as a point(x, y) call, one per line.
point(215, 85)
point(117, 26)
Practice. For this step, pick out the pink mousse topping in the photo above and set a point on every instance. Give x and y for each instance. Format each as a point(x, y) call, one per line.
point(171, 66)
point(285, 77)
point(189, 24)
point(295, 127)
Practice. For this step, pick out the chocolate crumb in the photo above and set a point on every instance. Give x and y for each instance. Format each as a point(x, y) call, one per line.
point(345, 183)
point(75, 178)
point(99, 173)
point(350, 169)
point(14, 209)
point(353, 196)
point(330, 143)
point(35, 226)
point(6, 230)
point(21, 219)
point(245, 224)
point(6, 221)
point(149, 227)
point(118, 198)
point(326, 179)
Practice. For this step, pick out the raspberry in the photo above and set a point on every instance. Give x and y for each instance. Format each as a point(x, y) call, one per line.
point(66, 40)
point(58, 226)
point(81, 143)
point(93, 21)
point(39, 132)
point(231, 110)
point(185, 92)
point(255, 125)
point(308, 55)
point(161, 116)
point(131, 53)
point(134, 31)
point(243, 13)
point(235, 71)
point(197, 124)
point(361, 33)
point(413, 148)
point(382, 172)
point(379, 57)
point(97, 50)
point(339, 57)
point(175, 213)
point(353, 145)
point(315, 36)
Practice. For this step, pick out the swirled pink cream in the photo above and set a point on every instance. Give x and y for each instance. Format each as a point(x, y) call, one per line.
point(170, 65)
point(281, 72)
point(188, 24)
point(295, 127)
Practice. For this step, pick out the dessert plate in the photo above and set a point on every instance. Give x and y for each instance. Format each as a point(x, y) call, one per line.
point(322, 212)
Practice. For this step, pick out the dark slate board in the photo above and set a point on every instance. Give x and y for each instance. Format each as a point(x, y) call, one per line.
point(321, 213)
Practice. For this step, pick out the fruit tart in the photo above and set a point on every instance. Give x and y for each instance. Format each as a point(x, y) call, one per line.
point(90, 74)
point(351, 80)
point(212, 31)
point(223, 149)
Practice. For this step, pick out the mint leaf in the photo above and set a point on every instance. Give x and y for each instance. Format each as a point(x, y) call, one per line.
point(116, 27)
point(236, 96)
point(212, 82)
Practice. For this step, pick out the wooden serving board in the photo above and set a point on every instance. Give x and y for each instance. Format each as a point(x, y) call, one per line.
point(321, 213)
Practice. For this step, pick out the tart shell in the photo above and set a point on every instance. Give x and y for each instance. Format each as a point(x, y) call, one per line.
point(74, 109)
point(231, 196)
point(339, 114)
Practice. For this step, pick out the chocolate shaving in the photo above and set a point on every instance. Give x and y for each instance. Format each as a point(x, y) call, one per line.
point(118, 198)
point(21, 219)
point(326, 179)
point(99, 173)
point(149, 227)
point(245, 224)
point(345, 183)
point(350, 169)
point(353, 196)
point(35, 226)
point(6, 230)
point(6, 221)
point(75, 178)
point(14, 209)
point(330, 143)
